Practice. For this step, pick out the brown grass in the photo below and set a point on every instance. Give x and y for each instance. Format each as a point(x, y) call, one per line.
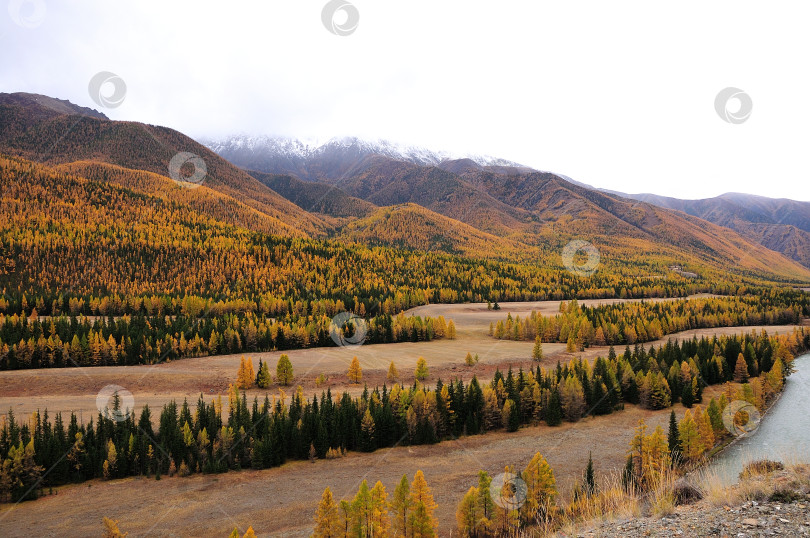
point(281, 501)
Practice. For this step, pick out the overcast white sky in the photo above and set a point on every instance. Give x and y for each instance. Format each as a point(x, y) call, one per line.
point(616, 94)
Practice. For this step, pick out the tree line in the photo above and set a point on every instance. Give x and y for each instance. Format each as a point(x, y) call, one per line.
point(266, 434)
point(139, 339)
point(628, 323)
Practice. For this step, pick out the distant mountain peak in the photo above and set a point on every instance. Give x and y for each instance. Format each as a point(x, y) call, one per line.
point(306, 157)
point(60, 106)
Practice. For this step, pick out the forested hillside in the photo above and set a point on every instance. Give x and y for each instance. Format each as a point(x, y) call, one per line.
point(38, 133)
point(533, 214)
point(779, 224)
point(191, 281)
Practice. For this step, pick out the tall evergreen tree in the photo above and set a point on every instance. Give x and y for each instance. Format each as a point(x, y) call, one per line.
point(263, 378)
point(589, 481)
point(674, 439)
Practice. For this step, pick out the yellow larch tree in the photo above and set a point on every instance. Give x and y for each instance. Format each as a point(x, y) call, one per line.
point(691, 444)
point(421, 521)
point(541, 489)
point(327, 523)
point(355, 373)
point(467, 514)
point(393, 374)
point(401, 507)
point(380, 520)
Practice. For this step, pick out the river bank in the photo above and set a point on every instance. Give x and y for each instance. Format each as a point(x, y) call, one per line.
point(773, 504)
point(783, 432)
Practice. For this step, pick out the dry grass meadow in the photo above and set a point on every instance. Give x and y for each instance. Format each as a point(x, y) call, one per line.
point(281, 501)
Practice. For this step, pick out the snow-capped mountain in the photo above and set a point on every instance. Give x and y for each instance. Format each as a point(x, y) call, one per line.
point(313, 159)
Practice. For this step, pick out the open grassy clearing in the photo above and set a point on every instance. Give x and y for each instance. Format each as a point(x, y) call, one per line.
point(75, 389)
point(281, 501)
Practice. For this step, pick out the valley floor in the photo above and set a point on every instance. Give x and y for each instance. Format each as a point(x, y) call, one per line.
point(75, 389)
point(281, 501)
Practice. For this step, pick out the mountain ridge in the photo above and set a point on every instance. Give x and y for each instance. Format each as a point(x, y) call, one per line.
point(306, 158)
point(35, 131)
point(780, 224)
point(364, 196)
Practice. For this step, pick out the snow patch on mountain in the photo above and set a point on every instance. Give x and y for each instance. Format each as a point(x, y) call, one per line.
point(304, 149)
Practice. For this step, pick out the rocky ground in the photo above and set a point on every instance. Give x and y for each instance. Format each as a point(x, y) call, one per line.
point(781, 508)
point(751, 519)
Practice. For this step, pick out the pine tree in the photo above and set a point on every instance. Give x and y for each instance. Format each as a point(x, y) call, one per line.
point(393, 375)
point(421, 521)
point(355, 373)
point(451, 330)
point(284, 371)
point(686, 395)
point(656, 458)
point(638, 451)
point(421, 372)
point(589, 481)
point(511, 415)
point(401, 507)
point(716, 416)
point(629, 475)
point(554, 412)
point(367, 442)
point(537, 352)
point(673, 439)
point(263, 378)
point(345, 516)
point(572, 398)
point(249, 533)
